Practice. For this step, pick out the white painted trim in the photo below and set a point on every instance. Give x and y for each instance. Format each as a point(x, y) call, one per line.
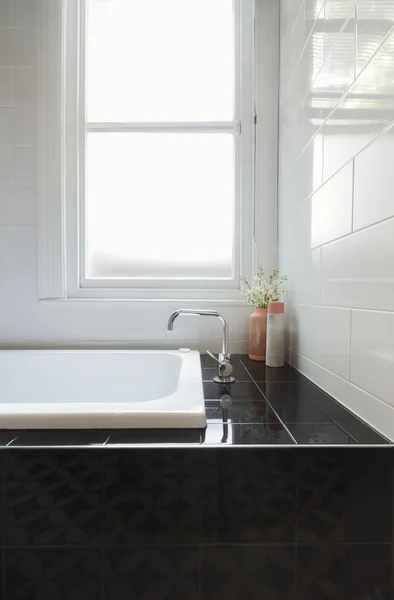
point(61, 155)
point(51, 257)
point(233, 127)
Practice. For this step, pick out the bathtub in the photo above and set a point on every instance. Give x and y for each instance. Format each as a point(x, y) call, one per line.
point(100, 389)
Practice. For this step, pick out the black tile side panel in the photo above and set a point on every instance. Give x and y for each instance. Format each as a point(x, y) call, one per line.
point(197, 525)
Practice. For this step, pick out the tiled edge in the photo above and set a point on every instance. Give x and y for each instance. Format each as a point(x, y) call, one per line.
point(334, 386)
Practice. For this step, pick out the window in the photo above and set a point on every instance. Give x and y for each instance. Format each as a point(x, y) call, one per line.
point(155, 165)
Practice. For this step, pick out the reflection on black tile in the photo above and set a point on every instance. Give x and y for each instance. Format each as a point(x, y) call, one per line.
point(248, 496)
point(344, 572)
point(8, 435)
point(254, 573)
point(49, 574)
point(232, 434)
point(211, 406)
point(318, 433)
point(237, 390)
point(260, 372)
point(345, 495)
point(52, 497)
point(151, 573)
point(151, 497)
point(62, 437)
point(154, 436)
point(241, 412)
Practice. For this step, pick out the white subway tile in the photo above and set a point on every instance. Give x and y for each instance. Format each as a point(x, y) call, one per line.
point(18, 47)
point(304, 284)
point(337, 73)
point(18, 244)
point(323, 335)
point(374, 182)
point(5, 13)
point(374, 21)
point(5, 86)
point(358, 271)
point(358, 121)
point(24, 87)
point(5, 302)
point(18, 126)
point(32, 321)
point(327, 215)
point(5, 165)
point(23, 13)
point(349, 58)
point(18, 205)
point(24, 166)
point(373, 353)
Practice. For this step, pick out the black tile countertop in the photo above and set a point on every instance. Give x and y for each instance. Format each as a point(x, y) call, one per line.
point(264, 407)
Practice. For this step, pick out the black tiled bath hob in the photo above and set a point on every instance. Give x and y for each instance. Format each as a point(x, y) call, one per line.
point(264, 407)
point(120, 515)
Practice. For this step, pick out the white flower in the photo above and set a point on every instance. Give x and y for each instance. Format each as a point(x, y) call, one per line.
point(261, 292)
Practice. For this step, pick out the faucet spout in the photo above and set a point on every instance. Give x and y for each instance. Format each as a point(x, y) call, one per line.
point(202, 313)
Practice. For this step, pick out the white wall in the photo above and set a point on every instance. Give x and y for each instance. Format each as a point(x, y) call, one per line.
point(336, 198)
point(23, 320)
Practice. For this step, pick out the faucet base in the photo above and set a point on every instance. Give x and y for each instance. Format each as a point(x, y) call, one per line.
point(224, 379)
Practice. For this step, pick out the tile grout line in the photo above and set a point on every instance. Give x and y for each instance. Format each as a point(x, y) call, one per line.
point(296, 528)
point(102, 578)
point(278, 417)
point(3, 522)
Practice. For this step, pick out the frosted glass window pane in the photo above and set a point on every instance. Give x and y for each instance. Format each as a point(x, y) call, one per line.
point(160, 60)
point(160, 205)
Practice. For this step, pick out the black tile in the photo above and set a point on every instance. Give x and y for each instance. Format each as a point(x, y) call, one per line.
point(8, 435)
point(53, 574)
point(329, 405)
point(151, 496)
point(260, 372)
point(345, 495)
point(151, 573)
point(241, 411)
point(237, 390)
point(248, 496)
point(285, 392)
point(337, 572)
point(304, 411)
point(154, 436)
point(232, 434)
point(62, 437)
point(362, 433)
point(318, 433)
point(255, 573)
point(52, 497)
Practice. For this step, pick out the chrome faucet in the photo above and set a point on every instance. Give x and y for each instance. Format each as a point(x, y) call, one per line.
point(225, 367)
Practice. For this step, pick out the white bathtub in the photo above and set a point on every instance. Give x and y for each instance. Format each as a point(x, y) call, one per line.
point(92, 389)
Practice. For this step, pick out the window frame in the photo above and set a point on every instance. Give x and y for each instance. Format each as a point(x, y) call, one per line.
point(62, 126)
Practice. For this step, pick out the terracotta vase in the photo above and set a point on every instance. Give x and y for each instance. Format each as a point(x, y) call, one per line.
point(258, 334)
